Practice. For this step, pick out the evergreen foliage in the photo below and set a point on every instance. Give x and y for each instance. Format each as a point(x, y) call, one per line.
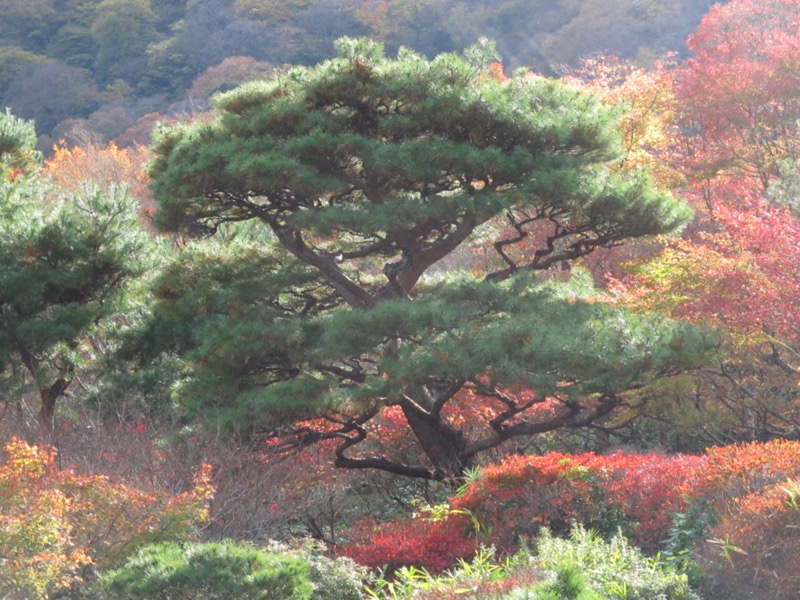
point(17, 143)
point(367, 172)
point(64, 263)
point(209, 571)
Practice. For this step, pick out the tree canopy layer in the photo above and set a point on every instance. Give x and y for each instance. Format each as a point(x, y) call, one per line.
point(369, 172)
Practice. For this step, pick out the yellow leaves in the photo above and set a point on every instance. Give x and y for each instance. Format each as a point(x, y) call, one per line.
point(648, 123)
point(26, 462)
point(192, 506)
point(53, 523)
point(36, 538)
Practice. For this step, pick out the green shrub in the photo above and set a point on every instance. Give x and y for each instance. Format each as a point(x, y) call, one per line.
point(332, 579)
point(210, 571)
point(477, 578)
point(567, 583)
point(688, 530)
point(610, 570)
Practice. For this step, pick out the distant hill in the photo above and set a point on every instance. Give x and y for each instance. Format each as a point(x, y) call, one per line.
point(101, 68)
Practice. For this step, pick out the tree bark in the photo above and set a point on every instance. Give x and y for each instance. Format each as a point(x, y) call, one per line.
point(49, 396)
point(442, 443)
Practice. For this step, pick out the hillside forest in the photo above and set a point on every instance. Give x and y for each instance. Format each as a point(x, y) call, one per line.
point(89, 70)
point(331, 300)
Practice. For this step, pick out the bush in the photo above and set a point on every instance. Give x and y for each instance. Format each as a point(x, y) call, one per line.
point(56, 527)
point(637, 492)
point(755, 545)
point(736, 494)
point(568, 583)
point(332, 579)
point(735, 471)
point(434, 545)
point(483, 577)
point(585, 566)
point(210, 571)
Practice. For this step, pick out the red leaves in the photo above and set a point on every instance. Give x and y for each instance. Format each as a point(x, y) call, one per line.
point(433, 545)
point(521, 494)
point(743, 276)
point(739, 92)
point(515, 498)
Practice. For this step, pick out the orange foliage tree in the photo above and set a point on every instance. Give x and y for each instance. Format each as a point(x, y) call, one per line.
point(648, 126)
point(742, 277)
point(72, 168)
point(57, 527)
point(647, 100)
point(738, 99)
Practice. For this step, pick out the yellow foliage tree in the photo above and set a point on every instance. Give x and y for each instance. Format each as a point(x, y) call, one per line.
point(56, 526)
point(648, 123)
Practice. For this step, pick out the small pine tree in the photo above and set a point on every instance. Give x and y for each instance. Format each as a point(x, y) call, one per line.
point(210, 571)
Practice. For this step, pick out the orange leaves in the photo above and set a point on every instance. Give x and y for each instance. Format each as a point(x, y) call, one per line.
point(755, 539)
point(35, 532)
point(53, 524)
point(495, 71)
point(26, 463)
point(741, 469)
point(71, 168)
point(109, 166)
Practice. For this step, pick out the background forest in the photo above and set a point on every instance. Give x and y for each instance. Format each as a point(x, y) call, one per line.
point(408, 313)
point(110, 69)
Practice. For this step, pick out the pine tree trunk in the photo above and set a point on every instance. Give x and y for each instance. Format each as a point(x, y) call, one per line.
point(442, 443)
point(49, 396)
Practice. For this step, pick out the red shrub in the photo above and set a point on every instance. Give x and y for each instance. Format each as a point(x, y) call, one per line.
point(755, 547)
point(521, 494)
point(647, 489)
point(638, 492)
point(740, 485)
point(433, 545)
point(733, 471)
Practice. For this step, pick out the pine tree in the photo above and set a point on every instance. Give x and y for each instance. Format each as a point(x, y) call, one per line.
point(369, 173)
point(64, 263)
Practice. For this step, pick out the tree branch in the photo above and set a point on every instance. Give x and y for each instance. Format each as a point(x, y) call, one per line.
point(292, 239)
point(573, 417)
point(417, 262)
